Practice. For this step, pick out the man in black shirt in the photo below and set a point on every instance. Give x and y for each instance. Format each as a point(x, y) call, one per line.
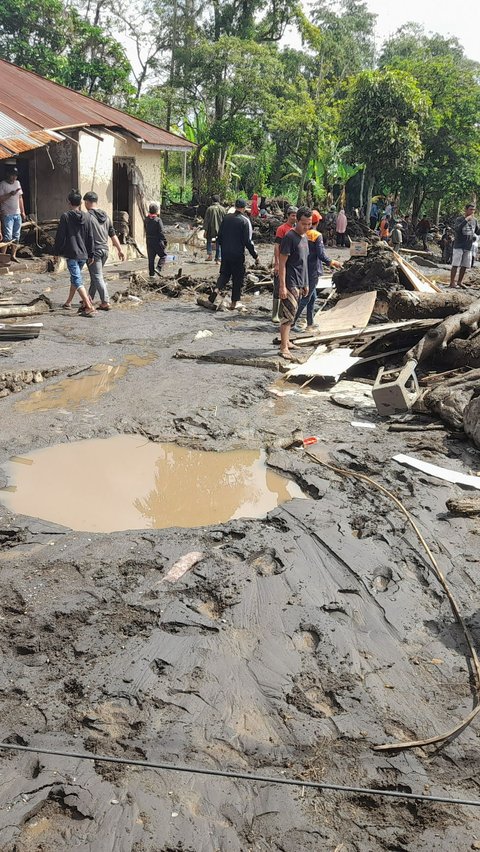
point(293, 275)
point(156, 240)
point(234, 238)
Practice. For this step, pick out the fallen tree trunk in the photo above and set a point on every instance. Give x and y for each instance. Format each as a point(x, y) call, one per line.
point(41, 305)
point(464, 506)
point(471, 417)
point(440, 336)
point(406, 304)
point(450, 400)
point(462, 353)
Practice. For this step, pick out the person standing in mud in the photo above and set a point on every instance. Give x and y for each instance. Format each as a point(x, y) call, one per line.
point(211, 223)
point(316, 259)
point(12, 209)
point(102, 229)
point(279, 235)
point(293, 275)
point(74, 241)
point(156, 240)
point(234, 237)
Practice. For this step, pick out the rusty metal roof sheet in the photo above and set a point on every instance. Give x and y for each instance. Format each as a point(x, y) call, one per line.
point(38, 103)
point(16, 137)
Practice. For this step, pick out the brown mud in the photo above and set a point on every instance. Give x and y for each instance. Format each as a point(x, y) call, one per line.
point(298, 642)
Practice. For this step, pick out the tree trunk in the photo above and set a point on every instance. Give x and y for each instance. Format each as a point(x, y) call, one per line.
point(450, 399)
point(406, 304)
point(362, 187)
point(462, 353)
point(438, 207)
point(440, 336)
point(371, 184)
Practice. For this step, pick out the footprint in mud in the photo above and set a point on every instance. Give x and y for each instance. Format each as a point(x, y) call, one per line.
point(267, 562)
point(306, 639)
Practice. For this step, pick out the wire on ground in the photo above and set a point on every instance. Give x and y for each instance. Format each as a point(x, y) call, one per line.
point(439, 738)
point(244, 776)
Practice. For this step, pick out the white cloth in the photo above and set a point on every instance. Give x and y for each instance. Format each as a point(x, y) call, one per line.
point(10, 206)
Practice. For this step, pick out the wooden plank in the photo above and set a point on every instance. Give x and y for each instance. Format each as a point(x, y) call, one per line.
point(417, 279)
point(370, 330)
point(327, 365)
point(352, 312)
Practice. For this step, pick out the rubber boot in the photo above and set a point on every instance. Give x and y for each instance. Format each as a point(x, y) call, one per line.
point(276, 311)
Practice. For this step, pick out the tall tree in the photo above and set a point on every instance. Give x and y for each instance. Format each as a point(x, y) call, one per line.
point(380, 120)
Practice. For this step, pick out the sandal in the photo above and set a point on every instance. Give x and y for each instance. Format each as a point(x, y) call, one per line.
point(105, 307)
point(66, 307)
point(89, 313)
point(286, 354)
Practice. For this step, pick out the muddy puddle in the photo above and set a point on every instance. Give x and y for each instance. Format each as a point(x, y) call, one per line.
point(72, 392)
point(125, 482)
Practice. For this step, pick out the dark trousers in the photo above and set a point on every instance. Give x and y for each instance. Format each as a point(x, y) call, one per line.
point(373, 222)
point(155, 249)
point(234, 268)
point(341, 239)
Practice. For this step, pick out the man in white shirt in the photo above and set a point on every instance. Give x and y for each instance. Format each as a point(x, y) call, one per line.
point(12, 210)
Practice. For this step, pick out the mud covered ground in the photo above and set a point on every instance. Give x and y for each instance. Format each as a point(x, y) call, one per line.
point(296, 644)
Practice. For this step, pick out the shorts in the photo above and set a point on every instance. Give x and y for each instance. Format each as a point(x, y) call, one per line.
point(289, 306)
point(462, 257)
point(75, 269)
point(11, 226)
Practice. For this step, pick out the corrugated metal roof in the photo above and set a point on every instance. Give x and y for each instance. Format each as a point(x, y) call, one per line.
point(38, 103)
point(16, 137)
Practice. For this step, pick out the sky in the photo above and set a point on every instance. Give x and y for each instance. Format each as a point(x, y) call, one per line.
point(458, 19)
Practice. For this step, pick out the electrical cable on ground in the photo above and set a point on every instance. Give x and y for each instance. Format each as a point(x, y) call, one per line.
point(244, 776)
point(362, 477)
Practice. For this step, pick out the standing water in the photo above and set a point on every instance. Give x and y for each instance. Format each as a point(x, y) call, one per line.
point(125, 482)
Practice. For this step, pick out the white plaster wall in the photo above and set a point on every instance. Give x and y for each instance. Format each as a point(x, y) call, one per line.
point(96, 172)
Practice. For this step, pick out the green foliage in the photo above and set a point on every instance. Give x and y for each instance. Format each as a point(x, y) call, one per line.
point(53, 40)
point(380, 120)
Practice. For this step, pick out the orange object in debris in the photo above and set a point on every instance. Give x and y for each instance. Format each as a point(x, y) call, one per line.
point(313, 439)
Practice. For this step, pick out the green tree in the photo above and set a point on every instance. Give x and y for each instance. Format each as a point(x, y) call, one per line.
point(381, 117)
point(449, 167)
point(52, 39)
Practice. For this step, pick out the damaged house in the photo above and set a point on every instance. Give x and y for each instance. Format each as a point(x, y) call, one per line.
point(60, 139)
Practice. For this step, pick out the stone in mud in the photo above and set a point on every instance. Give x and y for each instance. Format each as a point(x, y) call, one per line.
point(37, 378)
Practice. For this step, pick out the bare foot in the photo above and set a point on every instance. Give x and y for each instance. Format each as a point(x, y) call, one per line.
point(285, 353)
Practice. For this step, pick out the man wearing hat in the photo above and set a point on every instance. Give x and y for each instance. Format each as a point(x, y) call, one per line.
point(12, 209)
point(465, 228)
point(279, 235)
point(233, 238)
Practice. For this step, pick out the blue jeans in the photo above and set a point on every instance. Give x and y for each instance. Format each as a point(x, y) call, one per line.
point(75, 269)
point(218, 251)
point(308, 302)
point(11, 225)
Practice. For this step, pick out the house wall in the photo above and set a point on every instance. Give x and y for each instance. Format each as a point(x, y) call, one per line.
point(51, 178)
point(96, 172)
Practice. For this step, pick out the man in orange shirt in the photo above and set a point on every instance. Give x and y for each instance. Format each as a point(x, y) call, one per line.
point(280, 233)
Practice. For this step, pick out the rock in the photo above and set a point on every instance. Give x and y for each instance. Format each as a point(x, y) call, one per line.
point(3, 393)
point(37, 378)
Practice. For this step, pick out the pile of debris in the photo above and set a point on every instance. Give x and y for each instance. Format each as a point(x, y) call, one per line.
point(378, 270)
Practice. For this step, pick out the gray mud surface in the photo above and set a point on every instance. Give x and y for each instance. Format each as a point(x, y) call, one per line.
point(294, 646)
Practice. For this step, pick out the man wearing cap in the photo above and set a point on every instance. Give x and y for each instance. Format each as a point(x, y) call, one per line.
point(316, 257)
point(465, 228)
point(293, 275)
point(12, 209)
point(233, 238)
point(279, 235)
point(102, 229)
